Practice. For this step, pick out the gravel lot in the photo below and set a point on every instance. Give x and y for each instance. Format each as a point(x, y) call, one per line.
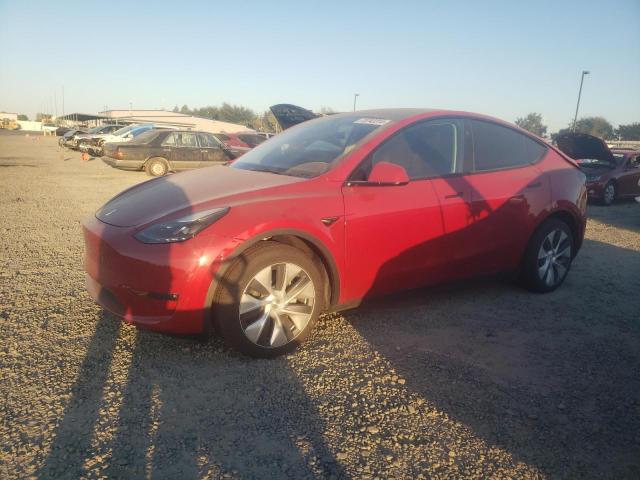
point(471, 380)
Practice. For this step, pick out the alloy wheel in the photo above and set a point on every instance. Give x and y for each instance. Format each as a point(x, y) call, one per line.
point(277, 305)
point(609, 193)
point(554, 257)
point(157, 169)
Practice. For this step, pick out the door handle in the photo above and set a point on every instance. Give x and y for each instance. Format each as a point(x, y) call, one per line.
point(455, 195)
point(534, 185)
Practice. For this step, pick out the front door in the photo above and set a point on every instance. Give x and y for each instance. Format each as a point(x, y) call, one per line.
point(395, 235)
point(629, 180)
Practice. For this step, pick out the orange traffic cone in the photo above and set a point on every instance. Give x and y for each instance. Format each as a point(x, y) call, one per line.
point(85, 157)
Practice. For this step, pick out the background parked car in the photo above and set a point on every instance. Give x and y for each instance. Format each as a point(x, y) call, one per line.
point(242, 142)
point(161, 151)
point(611, 173)
point(73, 138)
point(93, 144)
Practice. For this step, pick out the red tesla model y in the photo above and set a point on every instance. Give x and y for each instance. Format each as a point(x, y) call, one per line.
point(330, 212)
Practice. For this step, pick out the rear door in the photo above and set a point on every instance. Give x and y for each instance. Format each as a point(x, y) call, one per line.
point(508, 190)
point(211, 152)
point(186, 152)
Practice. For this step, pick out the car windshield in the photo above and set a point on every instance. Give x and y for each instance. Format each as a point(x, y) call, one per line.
point(145, 137)
point(95, 129)
point(310, 149)
point(124, 130)
point(619, 158)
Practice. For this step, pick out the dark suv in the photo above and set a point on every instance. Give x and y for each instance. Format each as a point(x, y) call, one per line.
point(161, 151)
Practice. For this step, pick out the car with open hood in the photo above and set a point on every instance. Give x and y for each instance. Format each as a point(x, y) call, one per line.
point(332, 212)
point(611, 173)
point(73, 137)
point(159, 152)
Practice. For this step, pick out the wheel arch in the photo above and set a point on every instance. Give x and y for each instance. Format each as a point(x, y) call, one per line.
point(157, 157)
point(570, 219)
point(295, 238)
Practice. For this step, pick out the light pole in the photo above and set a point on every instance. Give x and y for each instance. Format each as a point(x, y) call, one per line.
point(355, 97)
point(575, 118)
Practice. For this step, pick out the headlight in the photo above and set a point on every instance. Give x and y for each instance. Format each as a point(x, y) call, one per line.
point(181, 229)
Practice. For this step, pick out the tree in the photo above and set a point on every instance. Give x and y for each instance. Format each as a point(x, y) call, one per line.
point(629, 132)
point(596, 126)
point(326, 110)
point(235, 114)
point(176, 109)
point(533, 123)
point(265, 123)
point(185, 110)
point(22, 117)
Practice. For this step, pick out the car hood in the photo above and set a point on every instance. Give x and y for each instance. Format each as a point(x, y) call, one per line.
point(188, 191)
point(289, 115)
point(581, 146)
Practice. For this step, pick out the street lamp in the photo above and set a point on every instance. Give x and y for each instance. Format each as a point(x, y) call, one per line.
point(575, 118)
point(355, 97)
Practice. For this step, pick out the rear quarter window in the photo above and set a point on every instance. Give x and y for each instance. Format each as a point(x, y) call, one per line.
point(497, 147)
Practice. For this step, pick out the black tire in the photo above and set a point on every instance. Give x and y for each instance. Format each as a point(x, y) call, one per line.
point(536, 270)
point(236, 282)
point(608, 199)
point(156, 167)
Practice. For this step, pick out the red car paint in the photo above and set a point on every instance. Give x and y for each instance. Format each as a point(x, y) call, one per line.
point(386, 237)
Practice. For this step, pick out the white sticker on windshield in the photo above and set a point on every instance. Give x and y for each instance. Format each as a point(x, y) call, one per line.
point(372, 121)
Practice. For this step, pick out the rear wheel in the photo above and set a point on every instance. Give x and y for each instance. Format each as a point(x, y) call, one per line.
point(156, 167)
point(269, 300)
point(609, 193)
point(548, 256)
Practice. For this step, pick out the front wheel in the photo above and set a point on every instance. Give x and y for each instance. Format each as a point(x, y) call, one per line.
point(548, 257)
point(269, 300)
point(609, 194)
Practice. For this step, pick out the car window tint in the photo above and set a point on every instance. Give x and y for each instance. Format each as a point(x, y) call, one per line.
point(251, 139)
point(427, 149)
point(222, 137)
point(498, 147)
point(170, 140)
point(207, 140)
point(184, 139)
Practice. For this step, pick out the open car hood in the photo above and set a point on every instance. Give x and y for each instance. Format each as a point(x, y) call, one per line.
point(290, 115)
point(581, 146)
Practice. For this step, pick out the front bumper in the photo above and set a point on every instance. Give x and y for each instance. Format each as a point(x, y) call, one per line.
point(595, 190)
point(123, 164)
point(158, 287)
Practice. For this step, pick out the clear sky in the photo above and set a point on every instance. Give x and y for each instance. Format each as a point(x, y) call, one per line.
point(502, 58)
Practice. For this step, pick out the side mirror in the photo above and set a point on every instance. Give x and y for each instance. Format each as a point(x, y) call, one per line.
point(386, 173)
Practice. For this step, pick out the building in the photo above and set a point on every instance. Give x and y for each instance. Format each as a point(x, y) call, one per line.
point(172, 119)
point(8, 116)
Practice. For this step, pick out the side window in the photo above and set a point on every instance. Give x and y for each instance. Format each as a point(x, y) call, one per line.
point(497, 147)
point(207, 140)
point(428, 149)
point(184, 139)
point(170, 140)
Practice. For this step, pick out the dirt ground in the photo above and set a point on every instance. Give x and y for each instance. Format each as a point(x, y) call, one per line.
point(470, 380)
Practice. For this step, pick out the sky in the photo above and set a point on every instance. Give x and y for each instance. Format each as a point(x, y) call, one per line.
point(500, 58)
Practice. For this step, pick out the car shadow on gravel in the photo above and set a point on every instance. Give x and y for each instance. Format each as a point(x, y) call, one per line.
point(179, 416)
point(622, 214)
point(539, 376)
point(181, 408)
